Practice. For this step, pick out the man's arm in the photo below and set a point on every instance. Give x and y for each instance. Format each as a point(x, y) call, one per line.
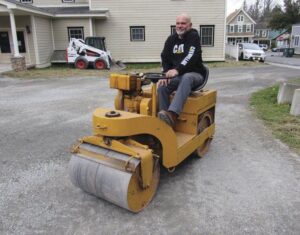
point(165, 56)
point(192, 55)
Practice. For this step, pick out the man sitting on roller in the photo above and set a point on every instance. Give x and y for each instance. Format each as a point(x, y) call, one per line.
point(183, 66)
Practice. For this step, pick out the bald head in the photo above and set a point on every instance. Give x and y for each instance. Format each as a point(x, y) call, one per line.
point(184, 16)
point(183, 24)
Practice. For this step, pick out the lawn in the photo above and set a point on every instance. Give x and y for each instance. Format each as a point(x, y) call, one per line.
point(277, 117)
point(64, 71)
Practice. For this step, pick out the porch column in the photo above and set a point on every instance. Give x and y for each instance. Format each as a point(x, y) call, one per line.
point(18, 62)
point(14, 34)
point(91, 27)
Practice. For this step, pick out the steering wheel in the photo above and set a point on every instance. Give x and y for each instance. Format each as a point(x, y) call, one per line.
point(154, 77)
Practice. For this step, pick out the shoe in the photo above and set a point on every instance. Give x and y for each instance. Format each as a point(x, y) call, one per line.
point(167, 117)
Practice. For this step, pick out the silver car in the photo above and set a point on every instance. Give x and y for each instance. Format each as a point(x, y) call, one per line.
point(251, 51)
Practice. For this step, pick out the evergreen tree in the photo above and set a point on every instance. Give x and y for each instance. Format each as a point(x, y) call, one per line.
point(283, 19)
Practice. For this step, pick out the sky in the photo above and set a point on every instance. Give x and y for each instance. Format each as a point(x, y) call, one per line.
point(236, 4)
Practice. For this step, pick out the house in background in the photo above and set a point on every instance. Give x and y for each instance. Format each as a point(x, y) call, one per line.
point(135, 30)
point(239, 27)
point(261, 34)
point(295, 38)
point(273, 34)
point(282, 40)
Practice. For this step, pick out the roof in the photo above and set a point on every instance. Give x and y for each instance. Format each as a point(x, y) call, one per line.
point(72, 10)
point(262, 25)
point(83, 11)
point(273, 34)
point(231, 16)
point(26, 6)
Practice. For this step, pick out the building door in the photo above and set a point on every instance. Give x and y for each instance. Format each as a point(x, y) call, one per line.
point(21, 42)
point(4, 42)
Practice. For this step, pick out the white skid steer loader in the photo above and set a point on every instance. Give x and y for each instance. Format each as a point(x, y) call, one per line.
point(81, 55)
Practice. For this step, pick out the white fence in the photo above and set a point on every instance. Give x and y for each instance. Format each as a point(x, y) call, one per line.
point(232, 51)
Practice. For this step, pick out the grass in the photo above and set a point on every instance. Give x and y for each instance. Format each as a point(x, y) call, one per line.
point(63, 71)
point(277, 117)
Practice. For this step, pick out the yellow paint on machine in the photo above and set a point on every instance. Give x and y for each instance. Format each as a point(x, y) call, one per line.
point(141, 140)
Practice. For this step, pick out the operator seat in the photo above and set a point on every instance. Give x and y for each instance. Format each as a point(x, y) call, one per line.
point(205, 76)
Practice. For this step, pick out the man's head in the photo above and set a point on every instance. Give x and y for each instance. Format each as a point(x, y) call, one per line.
point(183, 24)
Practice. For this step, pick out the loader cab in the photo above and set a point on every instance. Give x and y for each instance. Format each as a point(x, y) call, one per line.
point(97, 42)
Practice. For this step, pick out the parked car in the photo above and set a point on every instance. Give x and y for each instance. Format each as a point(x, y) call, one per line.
point(251, 51)
point(279, 49)
point(264, 46)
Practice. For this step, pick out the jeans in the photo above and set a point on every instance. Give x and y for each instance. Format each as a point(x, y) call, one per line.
point(183, 85)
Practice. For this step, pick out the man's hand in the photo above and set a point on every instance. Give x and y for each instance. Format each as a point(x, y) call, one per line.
point(163, 82)
point(172, 73)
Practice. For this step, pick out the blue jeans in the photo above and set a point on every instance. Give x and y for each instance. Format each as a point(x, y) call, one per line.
point(183, 85)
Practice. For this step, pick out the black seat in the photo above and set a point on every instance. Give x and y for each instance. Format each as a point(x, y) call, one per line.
point(205, 75)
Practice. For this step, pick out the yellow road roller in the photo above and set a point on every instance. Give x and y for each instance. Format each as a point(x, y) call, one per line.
point(120, 162)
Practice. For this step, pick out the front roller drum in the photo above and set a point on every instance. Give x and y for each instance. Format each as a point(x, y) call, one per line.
point(119, 187)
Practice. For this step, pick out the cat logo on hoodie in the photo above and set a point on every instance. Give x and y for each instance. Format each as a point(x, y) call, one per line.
point(178, 49)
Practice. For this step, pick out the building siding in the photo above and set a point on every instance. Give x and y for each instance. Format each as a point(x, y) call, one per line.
point(296, 32)
point(44, 40)
point(157, 24)
point(246, 20)
point(60, 30)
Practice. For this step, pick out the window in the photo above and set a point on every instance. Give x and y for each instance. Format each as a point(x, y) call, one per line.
point(248, 28)
point(4, 43)
point(240, 28)
point(231, 28)
point(240, 18)
point(68, 0)
point(264, 33)
point(173, 29)
point(26, 1)
point(75, 32)
point(207, 33)
point(21, 42)
point(137, 33)
point(257, 33)
point(296, 41)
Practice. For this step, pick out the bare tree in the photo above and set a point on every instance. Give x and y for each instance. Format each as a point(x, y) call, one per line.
point(254, 10)
point(245, 7)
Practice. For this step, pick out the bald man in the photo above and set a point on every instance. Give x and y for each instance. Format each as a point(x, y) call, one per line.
point(183, 66)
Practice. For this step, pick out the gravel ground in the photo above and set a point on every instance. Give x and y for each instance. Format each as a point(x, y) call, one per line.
point(248, 183)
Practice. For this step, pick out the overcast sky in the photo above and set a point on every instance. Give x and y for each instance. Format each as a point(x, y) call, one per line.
point(236, 4)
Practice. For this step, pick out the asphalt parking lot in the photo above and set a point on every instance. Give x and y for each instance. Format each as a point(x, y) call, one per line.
point(277, 58)
point(248, 183)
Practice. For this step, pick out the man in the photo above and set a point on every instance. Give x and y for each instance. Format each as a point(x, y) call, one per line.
point(182, 65)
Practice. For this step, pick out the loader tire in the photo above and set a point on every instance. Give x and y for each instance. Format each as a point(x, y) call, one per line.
point(99, 64)
point(204, 121)
point(81, 63)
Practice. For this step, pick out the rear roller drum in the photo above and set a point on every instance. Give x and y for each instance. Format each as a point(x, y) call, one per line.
point(116, 186)
point(205, 120)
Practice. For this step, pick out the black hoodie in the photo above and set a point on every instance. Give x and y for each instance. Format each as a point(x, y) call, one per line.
point(184, 54)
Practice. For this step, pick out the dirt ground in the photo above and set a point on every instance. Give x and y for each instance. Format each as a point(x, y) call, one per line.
point(248, 183)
